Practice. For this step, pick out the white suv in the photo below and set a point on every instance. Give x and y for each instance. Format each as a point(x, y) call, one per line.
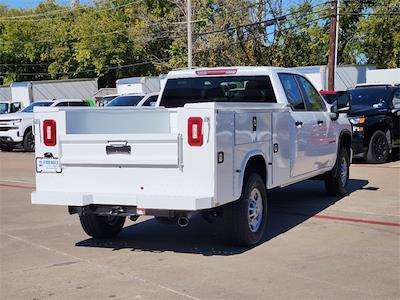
point(16, 128)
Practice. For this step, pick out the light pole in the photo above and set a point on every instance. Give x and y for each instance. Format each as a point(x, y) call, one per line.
point(332, 47)
point(189, 32)
point(337, 37)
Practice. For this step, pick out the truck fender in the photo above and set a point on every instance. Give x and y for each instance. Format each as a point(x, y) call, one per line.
point(345, 138)
point(27, 129)
point(247, 157)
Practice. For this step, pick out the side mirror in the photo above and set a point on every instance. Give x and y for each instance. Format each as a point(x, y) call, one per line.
point(334, 114)
point(153, 103)
point(396, 111)
point(344, 102)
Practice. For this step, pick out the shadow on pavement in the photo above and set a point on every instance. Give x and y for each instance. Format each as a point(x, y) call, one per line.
point(288, 207)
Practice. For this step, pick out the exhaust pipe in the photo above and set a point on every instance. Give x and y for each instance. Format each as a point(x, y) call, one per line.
point(183, 221)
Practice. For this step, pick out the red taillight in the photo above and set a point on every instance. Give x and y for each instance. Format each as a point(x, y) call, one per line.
point(49, 133)
point(195, 135)
point(216, 72)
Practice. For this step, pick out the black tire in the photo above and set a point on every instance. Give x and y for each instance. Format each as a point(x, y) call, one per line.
point(102, 226)
point(378, 149)
point(237, 226)
point(336, 179)
point(29, 141)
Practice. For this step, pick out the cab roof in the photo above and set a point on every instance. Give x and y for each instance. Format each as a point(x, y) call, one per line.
point(228, 71)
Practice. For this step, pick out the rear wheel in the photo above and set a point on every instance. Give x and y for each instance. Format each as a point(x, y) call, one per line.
point(102, 226)
point(336, 180)
point(245, 219)
point(378, 150)
point(29, 141)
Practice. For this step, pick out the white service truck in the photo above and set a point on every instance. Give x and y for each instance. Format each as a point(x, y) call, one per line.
point(138, 85)
point(216, 142)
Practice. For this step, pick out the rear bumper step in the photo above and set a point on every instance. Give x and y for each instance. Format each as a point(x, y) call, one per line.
point(140, 201)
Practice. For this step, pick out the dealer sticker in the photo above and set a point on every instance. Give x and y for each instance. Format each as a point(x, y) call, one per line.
point(48, 165)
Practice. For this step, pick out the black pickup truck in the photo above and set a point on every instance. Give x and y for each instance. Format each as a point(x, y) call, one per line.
point(374, 114)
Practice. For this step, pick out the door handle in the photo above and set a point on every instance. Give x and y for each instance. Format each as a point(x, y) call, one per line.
point(320, 122)
point(298, 123)
point(118, 148)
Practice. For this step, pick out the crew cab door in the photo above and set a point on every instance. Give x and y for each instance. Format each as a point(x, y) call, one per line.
point(326, 144)
point(304, 134)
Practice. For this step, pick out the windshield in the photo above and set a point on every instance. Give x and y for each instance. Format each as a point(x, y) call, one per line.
point(30, 107)
point(125, 101)
point(178, 92)
point(3, 108)
point(107, 99)
point(370, 97)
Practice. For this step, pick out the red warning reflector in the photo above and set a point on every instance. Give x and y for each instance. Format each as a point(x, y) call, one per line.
point(49, 133)
point(195, 128)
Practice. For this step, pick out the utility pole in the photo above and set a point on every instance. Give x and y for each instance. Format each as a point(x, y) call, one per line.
point(332, 47)
point(189, 32)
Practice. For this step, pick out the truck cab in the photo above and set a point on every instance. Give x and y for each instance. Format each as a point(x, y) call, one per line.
point(216, 141)
point(7, 107)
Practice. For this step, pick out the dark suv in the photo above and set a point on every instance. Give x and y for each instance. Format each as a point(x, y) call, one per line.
point(374, 114)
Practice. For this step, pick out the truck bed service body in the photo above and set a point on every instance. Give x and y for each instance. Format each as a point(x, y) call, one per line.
point(218, 140)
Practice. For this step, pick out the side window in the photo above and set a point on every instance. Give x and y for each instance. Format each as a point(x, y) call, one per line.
point(396, 98)
point(292, 91)
point(259, 91)
point(313, 99)
point(62, 104)
point(15, 107)
point(149, 100)
point(78, 103)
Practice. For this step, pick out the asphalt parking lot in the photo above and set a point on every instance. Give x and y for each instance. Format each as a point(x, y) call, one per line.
point(316, 247)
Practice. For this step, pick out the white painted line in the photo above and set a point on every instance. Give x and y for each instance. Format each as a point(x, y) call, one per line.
point(104, 268)
point(17, 181)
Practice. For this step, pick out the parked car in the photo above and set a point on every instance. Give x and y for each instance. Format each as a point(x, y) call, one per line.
point(7, 107)
point(16, 128)
point(374, 114)
point(205, 149)
point(106, 99)
point(134, 100)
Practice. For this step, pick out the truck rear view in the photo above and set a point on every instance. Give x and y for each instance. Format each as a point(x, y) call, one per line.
point(207, 149)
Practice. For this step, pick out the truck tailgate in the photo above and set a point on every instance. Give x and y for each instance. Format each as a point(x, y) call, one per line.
point(119, 157)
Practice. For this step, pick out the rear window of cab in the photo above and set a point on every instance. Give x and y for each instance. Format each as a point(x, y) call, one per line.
point(178, 92)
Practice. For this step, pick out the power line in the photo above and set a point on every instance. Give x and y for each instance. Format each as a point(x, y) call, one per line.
point(389, 13)
point(265, 22)
point(159, 60)
point(262, 35)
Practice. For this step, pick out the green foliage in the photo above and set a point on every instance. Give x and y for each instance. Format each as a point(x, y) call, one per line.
point(121, 38)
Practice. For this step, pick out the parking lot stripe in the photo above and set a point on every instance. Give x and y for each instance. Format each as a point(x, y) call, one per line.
point(342, 219)
point(17, 186)
point(374, 166)
point(357, 220)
